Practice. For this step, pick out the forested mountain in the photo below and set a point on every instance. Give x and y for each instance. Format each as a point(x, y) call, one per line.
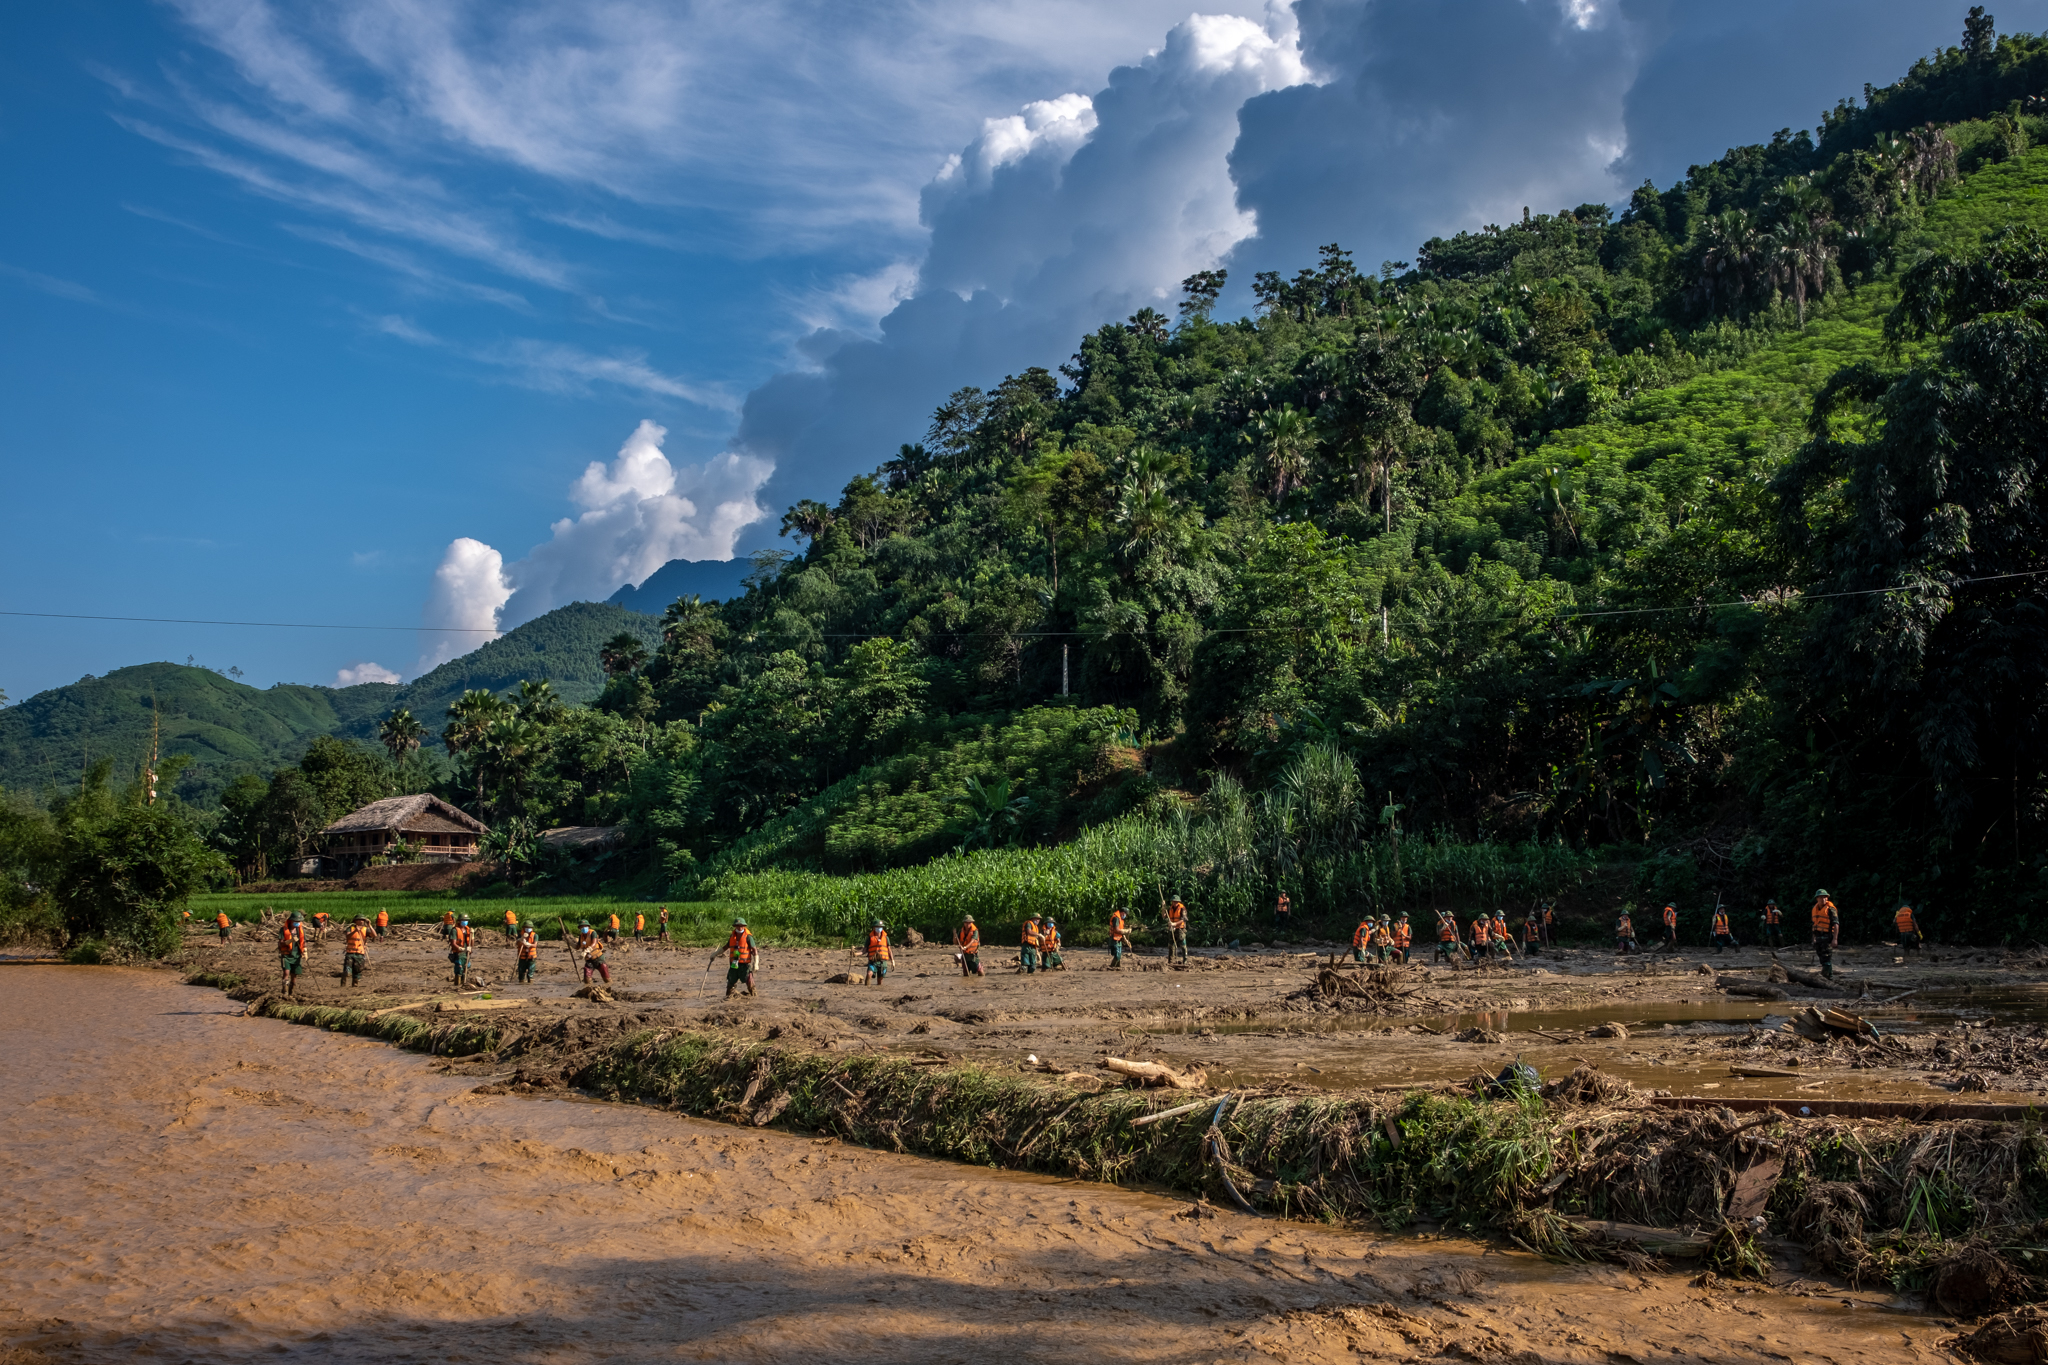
point(226, 727)
point(1701, 536)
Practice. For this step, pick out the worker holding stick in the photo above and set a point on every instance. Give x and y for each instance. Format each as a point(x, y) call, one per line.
point(355, 942)
point(1908, 927)
point(1049, 945)
point(1119, 939)
point(1447, 945)
point(529, 952)
point(1177, 931)
point(968, 938)
point(593, 961)
point(460, 944)
point(879, 956)
point(740, 956)
point(1827, 932)
point(1361, 939)
point(291, 952)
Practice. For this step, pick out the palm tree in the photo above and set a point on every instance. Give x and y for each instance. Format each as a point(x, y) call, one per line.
point(468, 721)
point(623, 653)
point(1730, 263)
point(1799, 251)
point(1283, 438)
point(400, 734)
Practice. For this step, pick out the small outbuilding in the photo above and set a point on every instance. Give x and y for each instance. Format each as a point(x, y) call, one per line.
point(440, 832)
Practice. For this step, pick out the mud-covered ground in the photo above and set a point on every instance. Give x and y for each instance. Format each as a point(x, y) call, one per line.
point(1974, 1026)
point(180, 1182)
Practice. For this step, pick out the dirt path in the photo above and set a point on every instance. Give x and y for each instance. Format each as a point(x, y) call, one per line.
point(190, 1184)
point(1975, 1027)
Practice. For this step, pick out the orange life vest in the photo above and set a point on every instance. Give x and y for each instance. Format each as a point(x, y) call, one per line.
point(664, 914)
point(511, 918)
point(1361, 935)
point(1049, 938)
point(1624, 927)
point(968, 937)
point(1823, 916)
point(741, 946)
point(1904, 919)
point(585, 937)
point(1031, 933)
point(1283, 904)
point(615, 924)
point(221, 919)
point(593, 951)
point(383, 919)
point(448, 917)
point(878, 946)
point(1482, 929)
point(1530, 930)
point(1720, 921)
point(1177, 915)
point(292, 940)
point(529, 945)
point(1403, 935)
point(1772, 914)
point(465, 937)
point(320, 918)
point(639, 924)
point(1549, 915)
point(1500, 929)
point(1117, 931)
point(1446, 929)
point(1670, 917)
point(357, 935)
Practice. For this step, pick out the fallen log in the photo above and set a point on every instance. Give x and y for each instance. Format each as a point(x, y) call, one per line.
point(1813, 979)
point(1152, 1073)
point(1658, 1241)
point(1142, 1120)
point(468, 1006)
point(1763, 1073)
point(1754, 989)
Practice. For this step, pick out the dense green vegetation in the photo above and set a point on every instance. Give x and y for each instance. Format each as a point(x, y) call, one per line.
point(1698, 537)
point(227, 728)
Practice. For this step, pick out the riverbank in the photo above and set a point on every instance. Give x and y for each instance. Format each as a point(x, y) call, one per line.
point(189, 1182)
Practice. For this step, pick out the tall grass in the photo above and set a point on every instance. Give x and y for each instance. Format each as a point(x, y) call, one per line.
point(1229, 857)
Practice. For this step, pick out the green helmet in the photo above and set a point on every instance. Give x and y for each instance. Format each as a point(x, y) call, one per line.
point(297, 918)
point(739, 924)
point(1404, 914)
point(1821, 894)
point(877, 925)
point(968, 920)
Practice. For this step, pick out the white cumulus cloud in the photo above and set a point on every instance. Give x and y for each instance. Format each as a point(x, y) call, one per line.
point(462, 607)
point(639, 511)
point(364, 672)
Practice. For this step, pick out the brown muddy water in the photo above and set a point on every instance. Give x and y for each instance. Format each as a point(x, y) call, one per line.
point(184, 1184)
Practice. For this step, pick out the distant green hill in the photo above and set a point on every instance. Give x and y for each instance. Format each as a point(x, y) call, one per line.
point(228, 727)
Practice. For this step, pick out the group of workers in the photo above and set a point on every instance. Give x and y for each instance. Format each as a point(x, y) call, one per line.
point(1825, 919)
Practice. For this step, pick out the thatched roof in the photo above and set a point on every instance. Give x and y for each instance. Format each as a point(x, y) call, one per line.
point(406, 814)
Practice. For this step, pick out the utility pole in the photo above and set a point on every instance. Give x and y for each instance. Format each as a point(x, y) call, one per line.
point(1383, 627)
point(1063, 669)
point(149, 772)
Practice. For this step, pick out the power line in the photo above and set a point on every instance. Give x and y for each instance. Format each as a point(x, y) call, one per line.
point(1573, 613)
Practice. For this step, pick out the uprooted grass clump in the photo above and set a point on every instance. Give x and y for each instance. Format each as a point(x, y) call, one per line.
point(1946, 1207)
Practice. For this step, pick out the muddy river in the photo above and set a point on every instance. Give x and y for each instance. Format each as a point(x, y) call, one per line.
point(184, 1184)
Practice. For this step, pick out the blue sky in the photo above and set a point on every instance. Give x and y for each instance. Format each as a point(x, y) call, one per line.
point(390, 312)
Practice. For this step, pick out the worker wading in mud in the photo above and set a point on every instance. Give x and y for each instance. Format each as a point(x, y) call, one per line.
point(1403, 937)
point(1119, 939)
point(1549, 925)
point(529, 953)
point(291, 953)
point(967, 938)
point(661, 925)
point(1361, 938)
point(1774, 925)
point(1446, 938)
point(1282, 915)
point(741, 956)
point(383, 922)
point(1532, 935)
point(1049, 946)
point(460, 945)
point(1670, 920)
point(1827, 932)
point(1625, 934)
point(1503, 937)
point(1027, 953)
point(511, 926)
point(879, 956)
point(355, 943)
point(1909, 929)
point(1177, 931)
point(1719, 930)
point(1482, 936)
point(593, 959)
point(224, 924)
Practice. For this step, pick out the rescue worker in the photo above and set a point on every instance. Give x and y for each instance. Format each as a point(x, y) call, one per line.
point(1827, 932)
point(1670, 928)
point(611, 934)
point(1482, 935)
point(1909, 929)
point(1532, 933)
point(511, 926)
point(529, 953)
point(1382, 940)
point(1119, 939)
point(355, 941)
point(448, 924)
point(1282, 908)
point(740, 955)
point(1625, 934)
point(224, 924)
point(1720, 930)
point(968, 939)
point(460, 945)
point(1049, 946)
point(1361, 939)
point(320, 924)
point(1774, 925)
point(1446, 937)
point(1403, 937)
point(661, 925)
point(639, 924)
point(383, 921)
point(1177, 931)
point(1503, 937)
point(879, 956)
point(585, 936)
point(291, 952)
point(1549, 925)
point(593, 959)
point(1027, 954)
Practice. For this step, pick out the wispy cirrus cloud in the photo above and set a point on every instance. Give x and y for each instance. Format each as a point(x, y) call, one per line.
point(558, 367)
point(51, 284)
